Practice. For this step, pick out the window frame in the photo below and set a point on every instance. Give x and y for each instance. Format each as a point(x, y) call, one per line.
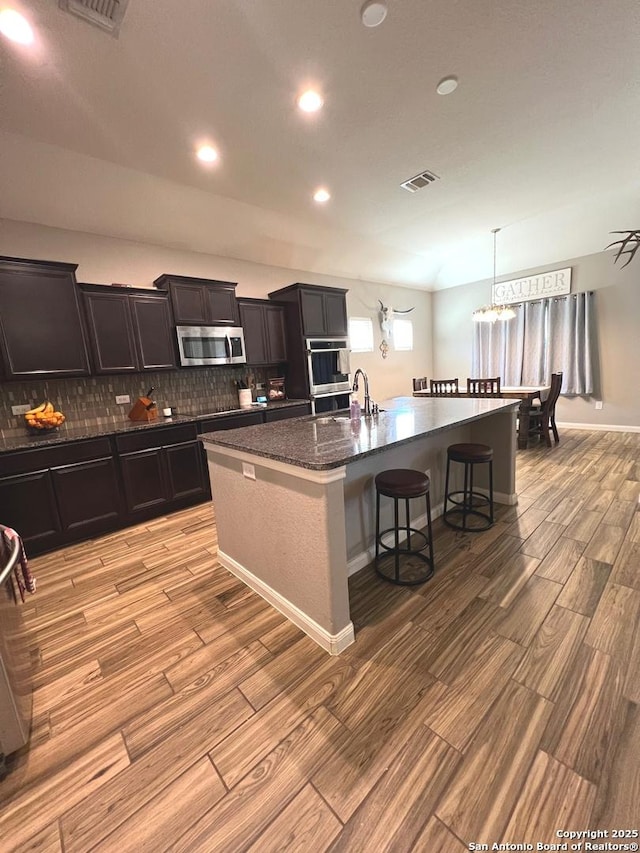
point(370, 342)
point(408, 324)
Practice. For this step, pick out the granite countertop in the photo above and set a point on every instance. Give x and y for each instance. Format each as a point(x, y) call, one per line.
point(66, 433)
point(321, 442)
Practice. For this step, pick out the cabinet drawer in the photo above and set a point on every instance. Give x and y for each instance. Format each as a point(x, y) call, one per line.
point(284, 414)
point(156, 437)
point(231, 422)
point(24, 461)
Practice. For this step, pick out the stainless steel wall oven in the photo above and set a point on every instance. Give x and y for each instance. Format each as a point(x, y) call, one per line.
point(328, 363)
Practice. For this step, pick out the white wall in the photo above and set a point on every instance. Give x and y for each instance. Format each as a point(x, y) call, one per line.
point(103, 260)
point(618, 325)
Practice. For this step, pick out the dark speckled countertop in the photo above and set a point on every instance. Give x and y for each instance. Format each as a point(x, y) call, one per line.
point(66, 433)
point(328, 441)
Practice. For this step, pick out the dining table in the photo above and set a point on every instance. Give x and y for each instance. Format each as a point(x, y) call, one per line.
point(525, 393)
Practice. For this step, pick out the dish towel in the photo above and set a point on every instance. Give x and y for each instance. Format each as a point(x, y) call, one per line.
point(24, 578)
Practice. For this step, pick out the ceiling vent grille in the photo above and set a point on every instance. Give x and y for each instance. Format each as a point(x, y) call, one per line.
point(106, 14)
point(419, 181)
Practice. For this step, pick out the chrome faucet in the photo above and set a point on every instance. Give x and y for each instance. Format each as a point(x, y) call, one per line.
point(367, 398)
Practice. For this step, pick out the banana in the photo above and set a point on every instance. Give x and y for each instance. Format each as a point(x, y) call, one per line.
point(48, 408)
point(37, 409)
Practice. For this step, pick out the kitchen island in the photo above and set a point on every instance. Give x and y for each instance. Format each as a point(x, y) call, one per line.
point(295, 501)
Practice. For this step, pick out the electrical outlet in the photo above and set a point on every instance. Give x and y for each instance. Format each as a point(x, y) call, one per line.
point(248, 471)
point(20, 410)
point(123, 398)
point(598, 404)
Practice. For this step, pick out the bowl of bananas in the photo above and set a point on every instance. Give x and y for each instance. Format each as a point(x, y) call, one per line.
point(44, 417)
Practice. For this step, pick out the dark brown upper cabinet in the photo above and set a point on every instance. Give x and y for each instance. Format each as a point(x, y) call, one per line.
point(129, 330)
point(310, 312)
point(154, 329)
point(41, 332)
point(200, 301)
point(264, 335)
point(323, 310)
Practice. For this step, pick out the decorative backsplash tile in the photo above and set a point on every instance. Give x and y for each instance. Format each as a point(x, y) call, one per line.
point(90, 400)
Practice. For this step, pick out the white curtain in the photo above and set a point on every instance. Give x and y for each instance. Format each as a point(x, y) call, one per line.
point(534, 344)
point(572, 341)
point(545, 336)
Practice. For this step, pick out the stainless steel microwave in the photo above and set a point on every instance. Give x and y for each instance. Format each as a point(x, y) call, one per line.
point(200, 345)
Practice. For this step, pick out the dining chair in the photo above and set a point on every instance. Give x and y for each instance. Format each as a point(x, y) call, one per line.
point(483, 387)
point(420, 383)
point(444, 387)
point(543, 420)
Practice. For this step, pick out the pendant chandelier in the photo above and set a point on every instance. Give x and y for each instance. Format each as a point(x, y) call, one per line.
point(493, 312)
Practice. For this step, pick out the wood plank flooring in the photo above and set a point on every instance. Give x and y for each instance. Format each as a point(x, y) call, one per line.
point(175, 710)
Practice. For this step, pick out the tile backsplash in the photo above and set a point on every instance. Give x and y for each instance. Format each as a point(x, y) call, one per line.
point(91, 399)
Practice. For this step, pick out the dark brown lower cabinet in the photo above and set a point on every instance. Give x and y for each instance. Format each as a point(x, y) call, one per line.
point(67, 492)
point(162, 469)
point(284, 414)
point(60, 494)
point(231, 421)
point(28, 504)
point(144, 481)
point(87, 495)
point(185, 470)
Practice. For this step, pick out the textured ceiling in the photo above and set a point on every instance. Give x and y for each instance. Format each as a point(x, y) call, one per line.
point(540, 138)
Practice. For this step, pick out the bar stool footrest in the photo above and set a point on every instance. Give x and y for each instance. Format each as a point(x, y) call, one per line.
point(390, 551)
point(466, 507)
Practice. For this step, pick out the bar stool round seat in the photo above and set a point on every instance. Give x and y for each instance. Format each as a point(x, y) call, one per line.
point(410, 564)
point(469, 505)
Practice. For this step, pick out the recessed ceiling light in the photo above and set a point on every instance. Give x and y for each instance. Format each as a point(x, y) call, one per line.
point(447, 85)
point(15, 27)
point(310, 101)
point(373, 13)
point(207, 154)
point(321, 195)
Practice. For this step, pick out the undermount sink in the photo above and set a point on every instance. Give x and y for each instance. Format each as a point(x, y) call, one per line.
point(330, 419)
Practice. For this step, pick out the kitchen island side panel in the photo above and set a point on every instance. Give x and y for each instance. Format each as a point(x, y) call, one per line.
point(287, 531)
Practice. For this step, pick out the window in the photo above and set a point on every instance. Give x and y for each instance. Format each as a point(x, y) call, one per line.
point(360, 334)
point(402, 334)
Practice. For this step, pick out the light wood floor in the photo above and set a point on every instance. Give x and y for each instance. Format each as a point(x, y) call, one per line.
point(499, 702)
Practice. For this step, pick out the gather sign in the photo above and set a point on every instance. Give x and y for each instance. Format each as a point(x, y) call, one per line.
point(538, 286)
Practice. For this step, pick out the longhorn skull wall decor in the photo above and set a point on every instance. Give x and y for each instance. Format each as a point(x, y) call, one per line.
point(386, 314)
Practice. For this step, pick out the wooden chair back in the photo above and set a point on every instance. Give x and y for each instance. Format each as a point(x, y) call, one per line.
point(549, 404)
point(544, 420)
point(444, 387)
point(484, 387)
point(420, 383)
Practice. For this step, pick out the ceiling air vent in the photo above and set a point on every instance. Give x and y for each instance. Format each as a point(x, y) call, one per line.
point(418, 181)
point(106, 14)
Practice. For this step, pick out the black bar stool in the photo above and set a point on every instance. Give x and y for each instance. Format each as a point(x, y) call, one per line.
point(468, 505)
point(403, 484)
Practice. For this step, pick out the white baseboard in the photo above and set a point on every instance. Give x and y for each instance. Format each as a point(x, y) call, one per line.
point(504, 498)
point(332, 643)
point(600, 427)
